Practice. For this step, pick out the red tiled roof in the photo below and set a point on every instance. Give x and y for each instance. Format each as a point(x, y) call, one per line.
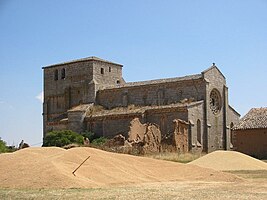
point(256, 118)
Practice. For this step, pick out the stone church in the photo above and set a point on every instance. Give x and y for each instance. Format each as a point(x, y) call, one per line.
point(90, 94)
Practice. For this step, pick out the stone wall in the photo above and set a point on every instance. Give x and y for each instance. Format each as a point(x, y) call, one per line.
point(180, 135)
point(73, 83)
point(252, 142)
point(107, 74)
point(214, 133)
point(152, 94)
point(233, 119)
point(164, 118)
point(109, 126)
point(197, 127)
point(56, 126)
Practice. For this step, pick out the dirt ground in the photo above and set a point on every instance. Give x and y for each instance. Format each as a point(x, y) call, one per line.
point(251, 188)
point(46, 173)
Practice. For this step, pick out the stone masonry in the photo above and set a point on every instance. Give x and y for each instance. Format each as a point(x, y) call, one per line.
point(90, 94)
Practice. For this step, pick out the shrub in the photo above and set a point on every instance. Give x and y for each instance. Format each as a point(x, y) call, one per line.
point(99, 141)
point(62, 138)
point(3, 147)
point(90, 135)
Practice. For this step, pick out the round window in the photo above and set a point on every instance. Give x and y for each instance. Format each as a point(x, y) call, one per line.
point(215, 101)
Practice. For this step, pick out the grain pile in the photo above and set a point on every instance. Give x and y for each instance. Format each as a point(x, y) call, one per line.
point(229, 161)
point(52, 167)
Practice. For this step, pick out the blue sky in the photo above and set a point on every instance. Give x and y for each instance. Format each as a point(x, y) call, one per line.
point(152, 39)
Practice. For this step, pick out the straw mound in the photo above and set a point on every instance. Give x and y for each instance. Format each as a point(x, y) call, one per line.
point(52, 168)
point(229, 161)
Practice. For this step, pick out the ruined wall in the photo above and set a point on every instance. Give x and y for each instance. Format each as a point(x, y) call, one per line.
point(109, 126)
point(112, 125)
point(164, 118)
point(197, 127)
point(180, 135)
point(152, 94)
point(252, 142)
point(145, 138)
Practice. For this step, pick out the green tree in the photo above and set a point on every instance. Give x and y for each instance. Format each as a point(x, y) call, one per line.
point(3, 147)
point(62, 138)
point(90, 135)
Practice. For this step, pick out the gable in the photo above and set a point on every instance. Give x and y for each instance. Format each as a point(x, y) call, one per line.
point(212, 69)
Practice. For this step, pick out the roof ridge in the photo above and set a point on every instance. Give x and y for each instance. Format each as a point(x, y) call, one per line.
point(155, 81)
point(90, 58)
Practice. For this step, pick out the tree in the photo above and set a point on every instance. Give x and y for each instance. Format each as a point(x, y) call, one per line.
point(90, 135)
point(3, 147)
point(62, 138)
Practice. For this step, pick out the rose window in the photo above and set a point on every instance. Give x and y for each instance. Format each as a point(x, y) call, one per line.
point(215, 101)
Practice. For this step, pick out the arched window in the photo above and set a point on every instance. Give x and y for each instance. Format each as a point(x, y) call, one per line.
point(63, 73)
point(199, 131)
point(56, 75)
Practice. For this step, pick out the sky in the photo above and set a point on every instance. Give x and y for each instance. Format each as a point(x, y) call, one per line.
point(151, 38)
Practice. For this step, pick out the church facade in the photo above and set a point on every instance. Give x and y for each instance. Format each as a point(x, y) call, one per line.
point(90, 94)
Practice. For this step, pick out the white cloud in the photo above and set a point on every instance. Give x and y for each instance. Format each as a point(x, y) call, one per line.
point(40, 97)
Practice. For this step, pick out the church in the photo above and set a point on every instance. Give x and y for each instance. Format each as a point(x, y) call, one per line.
point(90, 94)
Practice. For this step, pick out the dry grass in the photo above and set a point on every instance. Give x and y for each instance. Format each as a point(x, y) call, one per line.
point(95, 109)
point(166, 190)
point(175, 157)
point(251, 174)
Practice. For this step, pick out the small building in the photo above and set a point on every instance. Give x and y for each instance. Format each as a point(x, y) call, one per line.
point(249, 136)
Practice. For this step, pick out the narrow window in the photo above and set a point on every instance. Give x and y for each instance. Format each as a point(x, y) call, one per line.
point(118, 82)
point(102, 70)
point(231, 133)
point(109, 69)
point(63, 73)
point(56, 75)
point(199, 131)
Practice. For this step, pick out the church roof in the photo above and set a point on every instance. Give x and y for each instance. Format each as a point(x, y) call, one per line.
point(256, 118)
point(156, 81)
point(92, 58)
point(138, 110)
point(213, 67)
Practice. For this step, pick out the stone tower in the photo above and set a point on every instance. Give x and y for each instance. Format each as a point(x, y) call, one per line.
point(76, 82)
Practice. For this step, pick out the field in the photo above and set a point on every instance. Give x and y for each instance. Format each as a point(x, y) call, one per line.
point(154, 179)
point(253, 187)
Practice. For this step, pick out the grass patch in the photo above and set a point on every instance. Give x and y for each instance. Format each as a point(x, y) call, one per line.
point(175, 157)
point(250, 174)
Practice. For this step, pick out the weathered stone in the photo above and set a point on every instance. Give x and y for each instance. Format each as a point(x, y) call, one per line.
point(200, 99)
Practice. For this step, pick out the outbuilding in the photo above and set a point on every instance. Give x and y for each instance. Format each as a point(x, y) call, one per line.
point(249, 136)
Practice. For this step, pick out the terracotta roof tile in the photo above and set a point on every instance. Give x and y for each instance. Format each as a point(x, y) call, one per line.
point(256, 118)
